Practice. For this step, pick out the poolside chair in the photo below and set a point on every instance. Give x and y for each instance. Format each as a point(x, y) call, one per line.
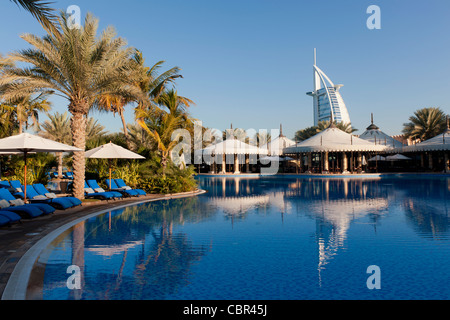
point(115, 187)
point(9, 203)
point(69, 175)
point(4, 221)
point(5, 184)
point(11, 216)
point(17, 187)
point(121, 184)
point(58, 203)
point(90, 193)
point(94, 185)
point(42, 190)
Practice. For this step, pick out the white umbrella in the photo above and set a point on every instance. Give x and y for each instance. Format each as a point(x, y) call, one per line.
point(26, 143)
point(377, 158)
point(276, 159)
point(397, 157)
point(111, 151)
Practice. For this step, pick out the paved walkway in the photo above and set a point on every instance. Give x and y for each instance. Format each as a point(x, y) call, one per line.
point(16, 240)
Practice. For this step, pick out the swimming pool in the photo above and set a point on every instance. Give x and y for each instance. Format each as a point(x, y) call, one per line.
point(265, 238)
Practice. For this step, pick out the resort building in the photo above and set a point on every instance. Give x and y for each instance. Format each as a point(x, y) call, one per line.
point(333, 151)
point(327, 100)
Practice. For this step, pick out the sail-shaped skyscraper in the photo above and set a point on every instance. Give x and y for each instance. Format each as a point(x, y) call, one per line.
point(328, 102)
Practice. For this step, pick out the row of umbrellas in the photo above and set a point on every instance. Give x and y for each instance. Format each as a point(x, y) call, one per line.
point(397, 157)
point(26, 143)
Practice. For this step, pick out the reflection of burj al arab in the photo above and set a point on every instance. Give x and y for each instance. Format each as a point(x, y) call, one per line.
point(338, 215)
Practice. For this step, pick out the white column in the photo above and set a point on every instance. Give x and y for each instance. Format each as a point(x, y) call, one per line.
point(236, 164)
point(344, 163)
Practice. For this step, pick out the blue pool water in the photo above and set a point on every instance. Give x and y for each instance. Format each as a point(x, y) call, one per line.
point(266, 238)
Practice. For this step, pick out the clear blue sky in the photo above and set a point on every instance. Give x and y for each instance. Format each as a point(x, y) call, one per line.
point(249, 62)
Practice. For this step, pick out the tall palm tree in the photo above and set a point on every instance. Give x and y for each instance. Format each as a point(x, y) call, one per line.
point(57, 128)
point(425, 124)
point(40, 10)
point(79, 66)
point(29, 107)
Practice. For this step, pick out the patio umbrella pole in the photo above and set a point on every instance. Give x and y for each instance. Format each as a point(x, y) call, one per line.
point(109, 160)
point(25, 178)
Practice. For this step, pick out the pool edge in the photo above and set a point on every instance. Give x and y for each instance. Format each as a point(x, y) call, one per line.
point(17, 284)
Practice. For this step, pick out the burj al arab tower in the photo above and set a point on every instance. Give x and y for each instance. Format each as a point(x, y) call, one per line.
point(328, 101)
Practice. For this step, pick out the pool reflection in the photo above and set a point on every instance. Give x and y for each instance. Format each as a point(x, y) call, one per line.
point(144, 252)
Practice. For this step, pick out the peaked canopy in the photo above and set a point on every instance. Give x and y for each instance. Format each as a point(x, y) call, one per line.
point(374, 135)
point(28, 143)
point(233, 146)
point(334, 140)
point(438, 143)
point(276, 146)
point(112, 151)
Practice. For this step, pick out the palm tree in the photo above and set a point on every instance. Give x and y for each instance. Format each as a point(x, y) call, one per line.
point(425, 124)
point(160, 125)
point(305, 134)
point(79, 66)
point(346, 127)
point(29, 107)
point(40, 10)
point(94, 133)
point(309, 132)
point(57, 128)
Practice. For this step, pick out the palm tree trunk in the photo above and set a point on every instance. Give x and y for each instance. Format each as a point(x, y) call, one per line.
point(78, 128)
point(60, 164)
point(125, 130)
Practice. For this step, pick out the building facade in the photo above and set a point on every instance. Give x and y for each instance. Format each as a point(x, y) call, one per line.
point(327, 100)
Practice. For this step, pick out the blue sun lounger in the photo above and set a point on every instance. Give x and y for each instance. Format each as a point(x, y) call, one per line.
point(11, 216)
point(57, 203)
point(17, 186)
point(94, 185)
point(25, 210)
point(121, 184)
point(91, 193)
point(42, 190)
point(115, 187)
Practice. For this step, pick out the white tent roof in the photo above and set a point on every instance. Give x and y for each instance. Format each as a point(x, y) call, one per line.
point(112, 151)
point(376, 136)
point(438, 143)
point(276, 146)
point(29, 143)
point(333, 140)
point(233, 146)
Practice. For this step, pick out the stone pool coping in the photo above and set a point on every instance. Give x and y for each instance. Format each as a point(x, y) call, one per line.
point(21, 245)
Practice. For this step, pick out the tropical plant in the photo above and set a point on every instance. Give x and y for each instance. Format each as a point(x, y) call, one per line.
point(305, 134)
point(95, 132)
point(160, 126)
point(309, 132)
point(79, 66)
point(425, 124)
point(344, 126)
point(40, 10)
point(28, 107)
point(57, 128)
